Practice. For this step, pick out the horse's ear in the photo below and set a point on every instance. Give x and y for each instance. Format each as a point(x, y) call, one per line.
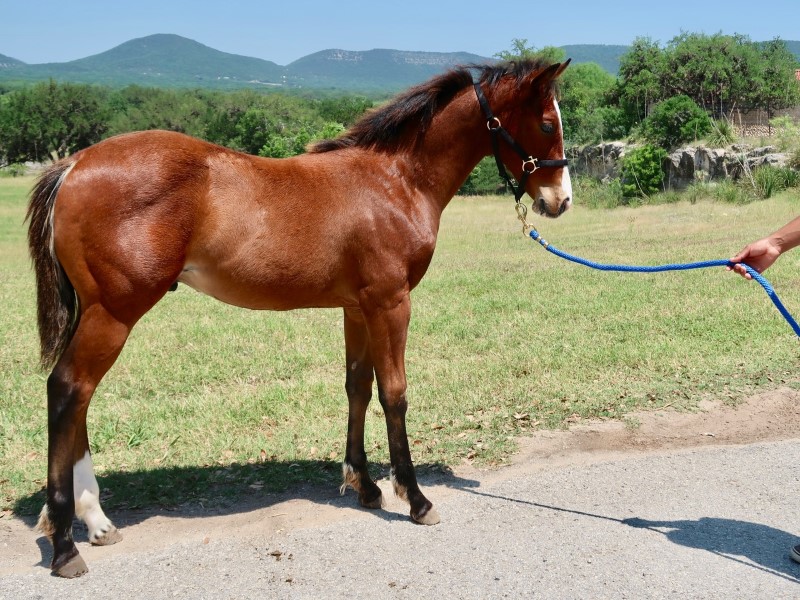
point(549, 74)
point(561, 68)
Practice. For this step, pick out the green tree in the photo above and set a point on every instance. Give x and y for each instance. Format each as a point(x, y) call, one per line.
point(675, 121)
point(345, 110)
point(483, 180)
point(51, 120)
point(640, 78)
point(585, 89)
point(778, 87)
point(521, 51)
point(255, 129)
point(717, 71)
point(140, 108)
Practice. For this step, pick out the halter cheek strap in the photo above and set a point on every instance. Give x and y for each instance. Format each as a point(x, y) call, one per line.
point(529, 163)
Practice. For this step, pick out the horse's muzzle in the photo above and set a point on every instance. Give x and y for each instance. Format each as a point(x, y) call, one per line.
point(546, 210)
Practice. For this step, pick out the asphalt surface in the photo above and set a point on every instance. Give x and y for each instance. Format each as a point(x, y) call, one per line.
point(715, 522)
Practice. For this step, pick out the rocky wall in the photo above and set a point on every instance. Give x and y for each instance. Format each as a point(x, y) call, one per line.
point(682, 167)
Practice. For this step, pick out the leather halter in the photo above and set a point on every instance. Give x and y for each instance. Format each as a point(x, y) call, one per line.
point(529, 163)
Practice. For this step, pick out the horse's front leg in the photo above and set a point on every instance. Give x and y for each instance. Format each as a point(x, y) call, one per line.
point(358, 385)
point(387, 325)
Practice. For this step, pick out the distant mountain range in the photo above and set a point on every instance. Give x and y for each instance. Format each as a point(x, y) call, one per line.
point(166, 60)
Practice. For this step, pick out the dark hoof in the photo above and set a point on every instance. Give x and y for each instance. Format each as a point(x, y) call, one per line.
point(428, 517)
point(376, 502)
point(112, 536)
point(74, 567)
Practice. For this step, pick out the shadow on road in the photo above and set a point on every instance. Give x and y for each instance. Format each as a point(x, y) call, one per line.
point(201, 492)
point(131, 497)
point(751, 544)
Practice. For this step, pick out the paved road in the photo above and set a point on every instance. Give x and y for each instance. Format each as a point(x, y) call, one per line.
point(715, 522)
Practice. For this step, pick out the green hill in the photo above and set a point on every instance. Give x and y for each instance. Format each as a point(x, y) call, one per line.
point(161, 60)
point(8, 62)
point(166, 60)
point(794, 48)
point(605, 56)
point(373, 69)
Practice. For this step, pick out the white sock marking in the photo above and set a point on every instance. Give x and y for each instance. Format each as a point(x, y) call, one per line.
point(87, 498)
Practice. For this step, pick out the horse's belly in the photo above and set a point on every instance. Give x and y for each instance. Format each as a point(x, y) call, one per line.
point(263, 293)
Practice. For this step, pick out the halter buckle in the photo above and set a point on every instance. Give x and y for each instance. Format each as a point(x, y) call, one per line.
point(522, 215)
point(530, 165)
point(493, 124)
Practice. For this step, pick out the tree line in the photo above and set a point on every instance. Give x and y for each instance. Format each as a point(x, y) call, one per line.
point(719, 73)
point(52, 120)
point(664, 95)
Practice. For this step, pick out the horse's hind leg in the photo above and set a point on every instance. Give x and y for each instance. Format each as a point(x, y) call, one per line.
point(71, 484)
point(359, 392)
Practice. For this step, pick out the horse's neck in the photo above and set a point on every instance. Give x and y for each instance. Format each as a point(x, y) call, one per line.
point(451, 149)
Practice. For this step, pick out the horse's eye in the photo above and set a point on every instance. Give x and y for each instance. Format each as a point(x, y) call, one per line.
point(547, 128)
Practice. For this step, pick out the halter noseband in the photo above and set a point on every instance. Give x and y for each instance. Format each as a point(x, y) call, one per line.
point(529, 164)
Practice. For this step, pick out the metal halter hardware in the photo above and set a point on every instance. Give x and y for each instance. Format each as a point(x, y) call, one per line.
point(529, 164)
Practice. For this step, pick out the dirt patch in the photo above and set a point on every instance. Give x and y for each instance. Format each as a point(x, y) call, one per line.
point(769, 416)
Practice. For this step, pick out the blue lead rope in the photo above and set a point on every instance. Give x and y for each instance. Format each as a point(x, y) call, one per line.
point(673, 267)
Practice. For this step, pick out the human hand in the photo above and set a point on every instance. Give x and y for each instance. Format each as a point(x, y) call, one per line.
point(759, 255)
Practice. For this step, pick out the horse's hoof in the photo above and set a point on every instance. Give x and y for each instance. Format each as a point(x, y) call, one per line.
point(429, 517)
point(74, 567)
point(376, 502)
point(107, 538)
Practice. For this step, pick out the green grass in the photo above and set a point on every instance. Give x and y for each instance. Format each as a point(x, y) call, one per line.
point(210, 403)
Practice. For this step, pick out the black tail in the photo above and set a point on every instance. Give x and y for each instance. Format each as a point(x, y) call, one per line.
point(56, 300)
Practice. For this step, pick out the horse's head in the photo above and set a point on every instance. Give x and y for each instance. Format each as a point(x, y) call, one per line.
point(526, 108)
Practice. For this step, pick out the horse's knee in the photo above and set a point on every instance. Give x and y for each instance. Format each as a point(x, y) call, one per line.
point(393, 398)
point(359, 380)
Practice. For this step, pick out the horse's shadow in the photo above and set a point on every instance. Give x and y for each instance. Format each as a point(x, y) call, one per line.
point(751, 544)
point(132, 497)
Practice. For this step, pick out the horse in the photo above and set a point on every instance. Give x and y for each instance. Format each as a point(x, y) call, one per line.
point(115, 226)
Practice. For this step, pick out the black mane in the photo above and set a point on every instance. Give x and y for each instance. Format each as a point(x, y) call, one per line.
point(385, 127)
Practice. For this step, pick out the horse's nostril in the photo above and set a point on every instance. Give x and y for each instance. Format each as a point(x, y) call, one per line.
point(564, 206)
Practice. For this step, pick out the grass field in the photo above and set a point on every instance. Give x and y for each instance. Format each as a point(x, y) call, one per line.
point(209, 403)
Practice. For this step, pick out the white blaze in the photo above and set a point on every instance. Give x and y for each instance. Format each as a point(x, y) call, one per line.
point(566, 182)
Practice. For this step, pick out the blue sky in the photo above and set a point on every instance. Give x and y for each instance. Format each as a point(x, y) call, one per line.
point(48, 31)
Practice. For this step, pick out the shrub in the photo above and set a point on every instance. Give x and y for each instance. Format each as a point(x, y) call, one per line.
point(483, 180)
point(13, 170)
point(722, 133)
point(730, 192)
point(641, 171)
point(675, 121)
point(794, 159)
point(786, 134)
point(616, 123)
point(696, 191)
point(597, 194)
point(769, 180)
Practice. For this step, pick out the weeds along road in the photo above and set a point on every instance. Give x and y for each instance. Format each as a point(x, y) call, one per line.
point(678, 520)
